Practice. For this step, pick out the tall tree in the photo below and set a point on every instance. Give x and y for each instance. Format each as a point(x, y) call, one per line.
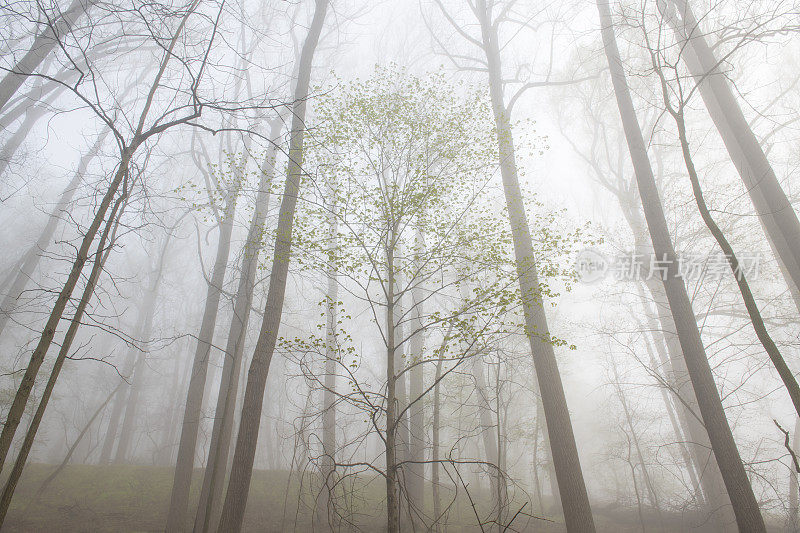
point(222, 431)
point(561, 438)
point(244, 453)
point(745, 506)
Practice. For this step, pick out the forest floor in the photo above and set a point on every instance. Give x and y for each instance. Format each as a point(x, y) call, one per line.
point(87, 498)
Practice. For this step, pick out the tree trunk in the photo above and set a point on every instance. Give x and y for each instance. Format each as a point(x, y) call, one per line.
point(741, 494)
point(179, 500)
point(572, 488)
point(415, 478)
point(774, 354)
point(107, 238)
point(774, 209)
point(244, 453)
point(392, 407)
point(486, 421)
point(127, 431)
point(18, 278)
point(222, 431)
point(325, 511)
point(77, 441)
point(37, 357)
point(42, 46)
point(435, 443)
point(794, 489)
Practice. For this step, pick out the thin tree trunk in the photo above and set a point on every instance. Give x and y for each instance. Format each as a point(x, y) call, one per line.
point(392, 407)
point(325, 511)
point(244, 454)
point(741, 494)
point(741, 278)
point(688, 410)
point(794, 488)
point(77, 441)
point(572, 488)
point(42, 46)
point(435, 443)
point(19, 276)
point(222, 431)
point(486, 421)
point(102, 253)
point(126, 433)
point(648, 483)
point(37, 357)
point(179, 499)
point(415, 480)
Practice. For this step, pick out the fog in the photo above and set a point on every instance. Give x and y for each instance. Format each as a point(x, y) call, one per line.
point(431, 265)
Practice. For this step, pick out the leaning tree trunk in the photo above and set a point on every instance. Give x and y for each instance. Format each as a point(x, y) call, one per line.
point(703, 460)
point(244, 453)
point(102, 253)
point(774, 209)
point(42, 46)
point(211, 492)
point(18, 278)
point(572, 488)
point(745, 506)
point(17, 408)
point(182, 480)
point(757, 321)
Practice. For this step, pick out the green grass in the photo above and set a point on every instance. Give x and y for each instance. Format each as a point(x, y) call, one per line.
point(130, 498)
point(121, 498)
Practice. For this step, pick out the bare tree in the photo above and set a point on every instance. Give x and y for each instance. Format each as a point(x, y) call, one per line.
point(244, 454)
point(745, 506)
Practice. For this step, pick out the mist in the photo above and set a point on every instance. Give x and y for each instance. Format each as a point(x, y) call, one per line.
point(431, 265)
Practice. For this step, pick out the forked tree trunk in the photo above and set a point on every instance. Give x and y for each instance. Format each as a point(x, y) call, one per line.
point(37, 357)
point(103, 250)
point(572, 488)
point(213, 479)
point(244, 454)
point(745, 506)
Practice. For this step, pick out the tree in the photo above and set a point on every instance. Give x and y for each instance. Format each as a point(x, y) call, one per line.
point(745, 506)
point(572, 488)
point(244, 453)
